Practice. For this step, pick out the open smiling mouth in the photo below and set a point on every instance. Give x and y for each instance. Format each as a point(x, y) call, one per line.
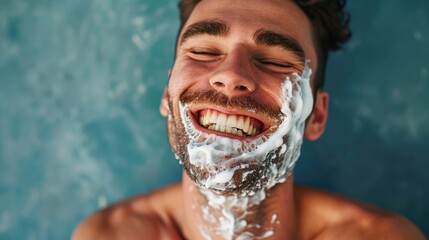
point(235, 124)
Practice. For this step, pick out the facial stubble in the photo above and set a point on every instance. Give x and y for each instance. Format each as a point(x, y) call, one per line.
point(255, 170)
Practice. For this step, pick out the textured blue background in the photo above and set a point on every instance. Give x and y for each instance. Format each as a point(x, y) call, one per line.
point(80, 83)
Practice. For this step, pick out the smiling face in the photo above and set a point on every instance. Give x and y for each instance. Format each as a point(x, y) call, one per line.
point(232, 114)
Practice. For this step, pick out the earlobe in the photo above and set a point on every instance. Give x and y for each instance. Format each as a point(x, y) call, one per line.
point(317, 121)
point(163, 108)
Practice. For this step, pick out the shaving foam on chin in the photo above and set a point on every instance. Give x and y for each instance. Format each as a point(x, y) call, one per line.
point(221, 157)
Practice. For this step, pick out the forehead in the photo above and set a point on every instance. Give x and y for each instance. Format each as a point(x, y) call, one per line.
point(244, 17)
point(277, 13)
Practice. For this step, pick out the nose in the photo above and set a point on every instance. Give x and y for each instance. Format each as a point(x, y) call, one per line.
point(233, 76)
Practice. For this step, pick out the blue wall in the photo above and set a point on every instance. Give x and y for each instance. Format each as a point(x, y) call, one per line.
point(80, 83)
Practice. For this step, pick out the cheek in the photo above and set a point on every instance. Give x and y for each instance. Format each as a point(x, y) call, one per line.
point(270, 92)
point(187, 75)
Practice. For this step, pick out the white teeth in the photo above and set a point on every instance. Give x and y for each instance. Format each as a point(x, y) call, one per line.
point(232, 121)
point(228, 129)
point(240, 121)
point(254, 132)
point(233, 131)
point(246, 124)
point(250, 130)
point(202, 120)
point(221, 119)
point(213, 117)
point(222, 128)
point(234, 124)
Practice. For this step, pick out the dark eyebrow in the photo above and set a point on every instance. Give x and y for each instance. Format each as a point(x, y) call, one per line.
point(210, 27)
point(269, 38)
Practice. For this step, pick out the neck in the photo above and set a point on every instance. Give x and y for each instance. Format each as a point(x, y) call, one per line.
point(268, 214)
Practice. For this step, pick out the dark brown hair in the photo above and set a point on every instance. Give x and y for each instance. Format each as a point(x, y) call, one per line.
point(330, 23)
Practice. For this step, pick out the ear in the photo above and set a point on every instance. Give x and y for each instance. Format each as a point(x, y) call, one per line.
point(317, 121)
point(163, 108)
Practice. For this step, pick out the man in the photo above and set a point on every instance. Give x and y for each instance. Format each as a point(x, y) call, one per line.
point(237, 102)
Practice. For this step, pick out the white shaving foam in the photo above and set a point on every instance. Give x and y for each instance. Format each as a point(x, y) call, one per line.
point(216, 154)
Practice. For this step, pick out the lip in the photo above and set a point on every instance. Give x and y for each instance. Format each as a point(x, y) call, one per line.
point(194, 113)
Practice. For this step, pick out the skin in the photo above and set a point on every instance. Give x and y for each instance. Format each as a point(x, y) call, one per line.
point(238, 67)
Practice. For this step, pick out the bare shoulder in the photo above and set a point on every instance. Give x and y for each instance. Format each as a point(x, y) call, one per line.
point(325, 215)
point(154, 215)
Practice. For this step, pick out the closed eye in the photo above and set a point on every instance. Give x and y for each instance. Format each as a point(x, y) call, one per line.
point(278, 66)
point(203, 55)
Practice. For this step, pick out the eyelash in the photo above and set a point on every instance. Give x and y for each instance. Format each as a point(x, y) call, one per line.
point(282, 65)
point(203, 55)
point(202, 52)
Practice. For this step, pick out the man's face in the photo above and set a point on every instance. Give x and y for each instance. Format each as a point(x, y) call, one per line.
point(225, 90)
